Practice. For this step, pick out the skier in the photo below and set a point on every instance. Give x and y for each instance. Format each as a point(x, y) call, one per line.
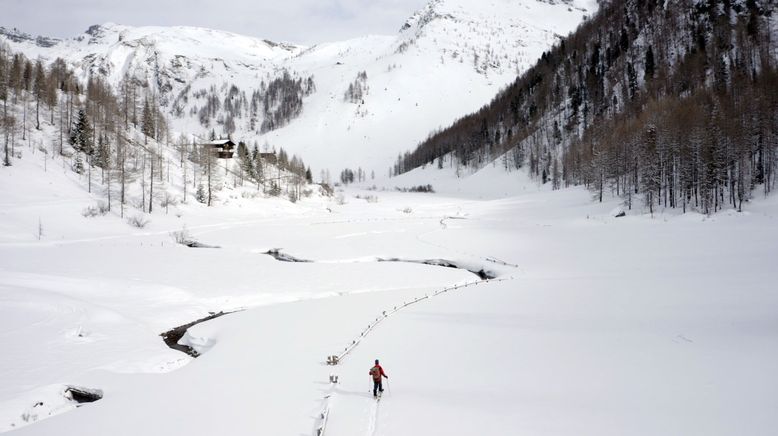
point(377, 372)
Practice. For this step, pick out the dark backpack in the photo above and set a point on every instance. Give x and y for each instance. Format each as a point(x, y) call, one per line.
point(375, 372)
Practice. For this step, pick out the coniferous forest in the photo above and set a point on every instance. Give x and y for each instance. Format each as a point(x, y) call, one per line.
point(672, 105)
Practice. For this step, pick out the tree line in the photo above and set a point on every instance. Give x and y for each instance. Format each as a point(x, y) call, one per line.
point(271, 106)
point(357, 90)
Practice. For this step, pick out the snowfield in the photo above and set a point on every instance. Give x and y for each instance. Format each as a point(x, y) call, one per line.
point(593, 325)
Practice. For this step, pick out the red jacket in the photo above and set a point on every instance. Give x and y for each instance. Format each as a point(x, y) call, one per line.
point(377, 372)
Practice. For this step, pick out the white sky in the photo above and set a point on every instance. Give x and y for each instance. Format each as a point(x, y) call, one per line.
point(297, 21)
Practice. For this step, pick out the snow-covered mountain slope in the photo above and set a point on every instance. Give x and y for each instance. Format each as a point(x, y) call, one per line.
point(448, 59)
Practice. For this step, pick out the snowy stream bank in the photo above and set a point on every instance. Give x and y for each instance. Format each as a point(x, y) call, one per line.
point(481, 272)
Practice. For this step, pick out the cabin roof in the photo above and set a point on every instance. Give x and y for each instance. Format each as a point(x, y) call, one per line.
point(219, 142)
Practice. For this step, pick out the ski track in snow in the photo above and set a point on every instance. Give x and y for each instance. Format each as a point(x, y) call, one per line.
point(372, 425)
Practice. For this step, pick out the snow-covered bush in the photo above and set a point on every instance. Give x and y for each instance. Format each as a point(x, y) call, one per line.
point(100, 209)
point(138, 221)
point(200, 195)
point(275, 189)
point(420, 188)
point(181, 236)
point(326, 190)
point(368, 198)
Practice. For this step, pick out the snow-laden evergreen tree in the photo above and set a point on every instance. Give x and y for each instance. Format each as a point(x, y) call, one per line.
point(81, 135)
point(81, 139)
point(39, 89)
point(246, 162)
point(200, 195)
point(103, 156)
point(15, 75)
point(78, 164)
point(148, 122)
point(27, 75)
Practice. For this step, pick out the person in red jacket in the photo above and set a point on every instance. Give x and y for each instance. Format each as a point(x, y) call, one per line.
point(377, 372)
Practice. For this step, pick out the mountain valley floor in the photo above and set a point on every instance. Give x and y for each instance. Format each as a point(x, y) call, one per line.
point(638, 325)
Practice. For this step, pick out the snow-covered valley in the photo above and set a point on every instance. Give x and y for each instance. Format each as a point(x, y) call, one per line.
point(155, 282)
point(593, 325)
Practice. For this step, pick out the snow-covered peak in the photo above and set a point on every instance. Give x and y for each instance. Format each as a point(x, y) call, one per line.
point(541, 13)
point(186, 40)
point(450, 58)
point(493, 35)
point(17, 36)
point(98, 30)
point(424, 16)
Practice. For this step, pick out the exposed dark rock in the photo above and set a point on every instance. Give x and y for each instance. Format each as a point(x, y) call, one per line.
point(283, 257)
point(82, 395)
point(197, 244)
point(17, 35)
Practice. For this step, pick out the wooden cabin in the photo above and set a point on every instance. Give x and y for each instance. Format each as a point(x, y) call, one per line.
point(221, 148)
point(268, 157)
